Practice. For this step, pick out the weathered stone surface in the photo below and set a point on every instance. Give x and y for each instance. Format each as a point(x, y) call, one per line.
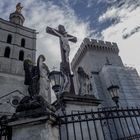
point(13, 65)
point(95, 61)
point(128, 81)
point(11, 69)
point(69, 103)
point(34, 129)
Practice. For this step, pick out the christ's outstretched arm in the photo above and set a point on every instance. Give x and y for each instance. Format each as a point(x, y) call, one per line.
point(56, 32)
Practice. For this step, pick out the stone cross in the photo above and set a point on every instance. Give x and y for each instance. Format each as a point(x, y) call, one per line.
point(65, 50)
point(64, 38)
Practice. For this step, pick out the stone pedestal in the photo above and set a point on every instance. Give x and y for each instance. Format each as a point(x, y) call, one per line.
point(68, 106)
point(40, 128)
point(70, 103)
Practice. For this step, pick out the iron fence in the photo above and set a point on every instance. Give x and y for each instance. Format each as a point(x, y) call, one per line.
point(5, 130)
point(104, 124)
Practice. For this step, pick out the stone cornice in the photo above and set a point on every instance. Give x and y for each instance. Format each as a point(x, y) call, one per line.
point(88, 100)
point(17, 26)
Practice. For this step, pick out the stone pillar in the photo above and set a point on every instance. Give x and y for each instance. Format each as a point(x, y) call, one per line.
point(40, 128)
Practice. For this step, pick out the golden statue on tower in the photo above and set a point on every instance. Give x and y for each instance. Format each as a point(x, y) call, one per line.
point(18, 7)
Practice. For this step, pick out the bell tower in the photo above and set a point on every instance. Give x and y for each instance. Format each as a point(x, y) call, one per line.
point(17, 43)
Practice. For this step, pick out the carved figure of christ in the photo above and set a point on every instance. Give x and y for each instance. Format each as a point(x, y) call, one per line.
point(64, 41)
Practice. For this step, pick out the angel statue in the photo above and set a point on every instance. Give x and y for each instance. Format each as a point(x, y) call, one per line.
point(44, 81)
point(32, 76)
point(36, 78)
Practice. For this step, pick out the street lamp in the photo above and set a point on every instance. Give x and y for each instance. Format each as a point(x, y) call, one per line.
point(57, 81)
point(114, 90)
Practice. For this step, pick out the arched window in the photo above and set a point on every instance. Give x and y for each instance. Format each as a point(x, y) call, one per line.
point(7, 52)
point(9, 39)
point(21, 55)
point(22, 42)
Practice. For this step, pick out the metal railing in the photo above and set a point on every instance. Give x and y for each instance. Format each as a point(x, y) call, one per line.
point(5, 130)
point(104, 124)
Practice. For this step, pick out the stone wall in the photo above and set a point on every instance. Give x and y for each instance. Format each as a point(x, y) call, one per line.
point(10, 86)
point(18, 33)
point(35, 129)
point(101, 61)
point(97, 46)
point(128, 81)
point(11, 68)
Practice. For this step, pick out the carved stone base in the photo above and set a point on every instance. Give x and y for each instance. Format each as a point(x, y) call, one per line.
point(40, 128)
point(38, 112)
point(69, 103)
point(31, 107)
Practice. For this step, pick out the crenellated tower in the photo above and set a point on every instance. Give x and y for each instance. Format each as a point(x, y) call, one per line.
point(95, 54)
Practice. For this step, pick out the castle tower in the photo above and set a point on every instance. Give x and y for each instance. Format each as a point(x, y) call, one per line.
point(17, 43)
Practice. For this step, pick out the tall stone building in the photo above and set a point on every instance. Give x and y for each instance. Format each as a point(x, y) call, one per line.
point(17, 43)
point(102, 62)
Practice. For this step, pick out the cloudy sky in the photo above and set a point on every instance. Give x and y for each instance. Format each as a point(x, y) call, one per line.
point(110, 20)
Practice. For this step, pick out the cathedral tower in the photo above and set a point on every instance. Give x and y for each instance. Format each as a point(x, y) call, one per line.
point(17, 43)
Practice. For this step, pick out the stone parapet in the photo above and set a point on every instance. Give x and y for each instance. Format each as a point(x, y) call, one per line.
point(97, 45)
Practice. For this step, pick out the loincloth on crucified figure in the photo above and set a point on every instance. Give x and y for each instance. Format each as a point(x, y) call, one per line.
point(66, 47)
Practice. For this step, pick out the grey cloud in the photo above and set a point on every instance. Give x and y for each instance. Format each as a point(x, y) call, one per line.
point(119, 5)
point(43, 14)
point(131, 4)
point(132, 32)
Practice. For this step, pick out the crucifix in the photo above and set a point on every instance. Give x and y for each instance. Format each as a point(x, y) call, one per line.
point(64, 47)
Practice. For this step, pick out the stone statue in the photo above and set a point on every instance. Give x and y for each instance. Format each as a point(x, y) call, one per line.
point(32, 76)
point(18, 7)
point(64, 38)
point(66, 87)
point(36, 78)
point(85, 87)
point(65, 43)
point(44, 80)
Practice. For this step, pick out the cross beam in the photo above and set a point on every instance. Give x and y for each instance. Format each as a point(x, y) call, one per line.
point(60, 30)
